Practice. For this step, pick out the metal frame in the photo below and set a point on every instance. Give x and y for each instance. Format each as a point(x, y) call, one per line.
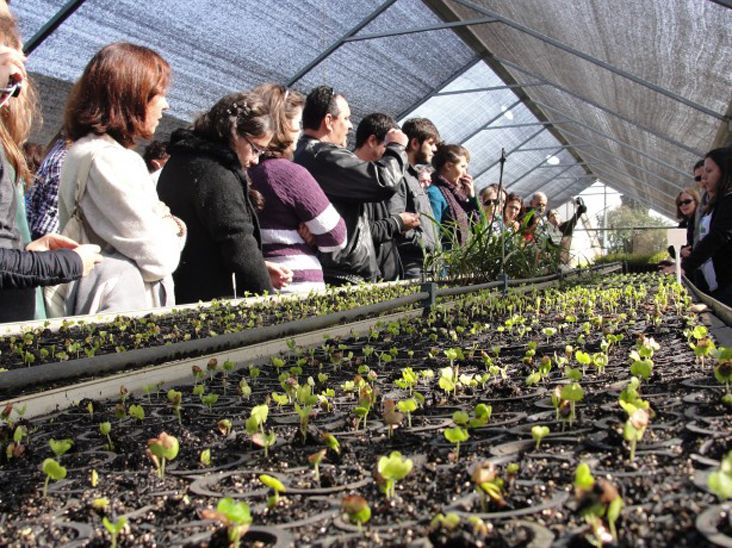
point(633, 193)
point(55, 22)
point(454, 76)
point(338, 43)
point(514, 149)
point(608, 137)
point(598, 106)
point(489, 88)
point(489, 122)
point(537, 166)
point(589, 58)
point(415, 30)
point(534, 189)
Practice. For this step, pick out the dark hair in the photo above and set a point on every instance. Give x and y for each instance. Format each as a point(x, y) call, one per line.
point(691, 192)
point(513, 197)
point(156, 150)
point(723, 158)
point(243, 113)
point(113, 93)
point(697, 165)
point(319, 102)
point(377, 124)
point(420, 129)
point(448, 153)
point(283, 105)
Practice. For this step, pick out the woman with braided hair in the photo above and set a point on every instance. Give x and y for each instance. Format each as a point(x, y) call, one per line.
point(205, 183)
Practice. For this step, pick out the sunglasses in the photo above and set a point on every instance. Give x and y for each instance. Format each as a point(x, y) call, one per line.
point(697, 178)
point(684, 202)
point(489, 202)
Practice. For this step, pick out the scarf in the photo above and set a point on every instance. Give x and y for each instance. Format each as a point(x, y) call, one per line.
point(454, 198)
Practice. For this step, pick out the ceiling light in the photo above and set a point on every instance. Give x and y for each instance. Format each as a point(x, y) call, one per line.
point(552, 160)
point(507, 113)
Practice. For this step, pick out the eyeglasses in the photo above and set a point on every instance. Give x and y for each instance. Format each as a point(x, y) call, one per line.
point(11, 90)
point(256, 150)
point(684, 202)
point(489, 202)
point(697, 178)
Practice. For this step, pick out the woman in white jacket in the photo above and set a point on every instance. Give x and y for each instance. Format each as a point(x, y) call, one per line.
point(106, 195)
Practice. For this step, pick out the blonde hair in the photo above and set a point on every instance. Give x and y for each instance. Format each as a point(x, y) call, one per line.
point(16, 118)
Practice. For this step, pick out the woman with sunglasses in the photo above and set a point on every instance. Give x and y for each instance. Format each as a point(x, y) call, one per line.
point(710, 257)
point(52, 259)
point(687, 202)
point(492, 205)
point(205, 182)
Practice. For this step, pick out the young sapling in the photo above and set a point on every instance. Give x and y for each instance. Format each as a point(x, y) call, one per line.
point(597, 499)
point(54, 471)
point(115, 528)
point(315, 459)
point(205, 458)
point(392, 469)
point(234, 515)
point(277, 487)
point(136, 412)
point(60, 447)
point(105, 428)
point(391, 416)
point(175, 398)
point(356, 510)
point(539, 433)
point(162, 449)
point(720, 481)
point(408, 407)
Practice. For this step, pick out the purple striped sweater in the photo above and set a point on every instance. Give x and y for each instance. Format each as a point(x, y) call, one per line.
point(293, 197)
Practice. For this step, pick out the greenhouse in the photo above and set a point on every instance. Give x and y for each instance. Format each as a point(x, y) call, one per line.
point(524, 388)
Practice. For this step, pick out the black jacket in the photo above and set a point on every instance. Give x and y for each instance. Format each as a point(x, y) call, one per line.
point(204, 185)
point(413, 244)
point(23, 269)
point(350, 183)
point(385, 229)
point(717, 244)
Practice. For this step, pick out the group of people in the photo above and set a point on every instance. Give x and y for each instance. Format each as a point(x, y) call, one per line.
point(705, 211)
point(261, 193)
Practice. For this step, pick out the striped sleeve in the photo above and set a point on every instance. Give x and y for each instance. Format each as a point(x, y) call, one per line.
point(329, 230)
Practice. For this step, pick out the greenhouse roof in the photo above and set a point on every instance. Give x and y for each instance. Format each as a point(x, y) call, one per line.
point(631, 93)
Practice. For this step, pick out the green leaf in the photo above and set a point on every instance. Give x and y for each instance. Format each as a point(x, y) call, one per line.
point(539, 433)
point(236, 512)
point(260, 413)
point(572, 392)
point(395, 466)
point(456, 435)
point(642, 368)
point(583, 478)
point(460, 418)
point(116, 527)
point(273, 483)
point(60, 447)
point(53, 469)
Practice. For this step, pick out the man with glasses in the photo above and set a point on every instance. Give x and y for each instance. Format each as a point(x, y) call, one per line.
point(348, 181)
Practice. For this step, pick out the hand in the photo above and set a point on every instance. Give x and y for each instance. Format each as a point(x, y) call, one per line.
point(466, 183)
point(396, 136)
point(52, 241)
point(90, 256)
point(281, 276)
point(12, 63)
point(306, 235)
point(410, 220)
point(685, 251)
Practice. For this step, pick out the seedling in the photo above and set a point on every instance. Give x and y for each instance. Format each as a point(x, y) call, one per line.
point(244, 389)
point(635, 427)
point(115, 528)
point(255, 428)
point(392, 469)
point(60, 447)
point(571, 393)
point(448, 380)
point(315, 459)
point(304, 407)
point(276, 486)
point(640, 366)
point(136, 412)
point(597, 499)
point(539, 433)
point(198, 374)
point(224, 426)
point(356, 510)
point(175, 398)
point(93, 478)
point(723, 368)
point(408, 407)
point(481, 415)
point(391, 416)
point(331, 442)
point(210, 399)
point(162, 449)
point(105, 428)
point(488, 484)
point(234, 515)
point(54, 471)
point(456, 436)
point(549, 332)
point(720, 481)
point(205, 458)
point(211, 367)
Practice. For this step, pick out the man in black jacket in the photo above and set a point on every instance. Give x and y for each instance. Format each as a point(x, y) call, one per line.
point(385, 226)
point(348, 181)
point(411, 197)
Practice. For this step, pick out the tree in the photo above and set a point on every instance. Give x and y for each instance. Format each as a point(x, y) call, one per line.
point(622, 239)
